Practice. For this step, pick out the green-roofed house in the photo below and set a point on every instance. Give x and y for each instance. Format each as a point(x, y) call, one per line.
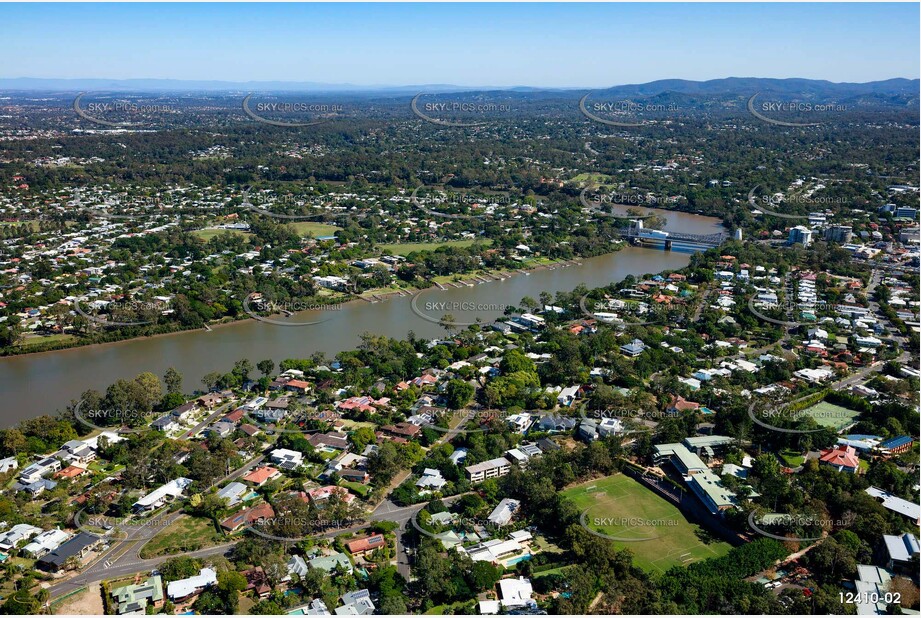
point(330, 563)
point(133, 599)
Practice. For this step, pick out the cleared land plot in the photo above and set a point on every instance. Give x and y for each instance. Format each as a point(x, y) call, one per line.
point(211, 233)
point(186, 534)
point(829, 415)
point(316, 229)
point(621, 507)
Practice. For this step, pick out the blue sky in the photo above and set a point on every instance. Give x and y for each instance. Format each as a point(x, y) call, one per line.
point(567, 45)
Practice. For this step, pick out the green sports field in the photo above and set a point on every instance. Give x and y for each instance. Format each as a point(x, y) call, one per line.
point(829, 415)
point(670, 539)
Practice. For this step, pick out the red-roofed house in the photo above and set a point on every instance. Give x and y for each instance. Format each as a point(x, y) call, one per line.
point(297, 386)
point(248, 517)
point(680, 404)
point(262, 475)
point(403, 430)
point(369, 543)
point(322, 494)
point(236, 416)
point(841, 458)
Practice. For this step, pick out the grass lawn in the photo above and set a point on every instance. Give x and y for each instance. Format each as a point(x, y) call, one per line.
point(209, 234)
point(358, 488)
point(829, 415)
point(408, 247)
point(792, 458)
point(28, 342)
point(186, 534)
point(670, 538)
point(316, 229)
point(592, 177)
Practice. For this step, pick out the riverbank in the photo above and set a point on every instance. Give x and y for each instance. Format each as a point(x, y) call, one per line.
point(465, 279)
point(40, 383)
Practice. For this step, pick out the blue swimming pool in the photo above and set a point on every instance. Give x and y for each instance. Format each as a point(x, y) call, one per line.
point(515, 561)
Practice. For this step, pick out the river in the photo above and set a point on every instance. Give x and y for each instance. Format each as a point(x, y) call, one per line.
point(37, 384)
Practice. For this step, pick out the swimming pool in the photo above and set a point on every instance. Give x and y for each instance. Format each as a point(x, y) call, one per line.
point(518, 559)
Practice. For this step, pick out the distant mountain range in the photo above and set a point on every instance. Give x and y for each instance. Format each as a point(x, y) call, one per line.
point(900, 89)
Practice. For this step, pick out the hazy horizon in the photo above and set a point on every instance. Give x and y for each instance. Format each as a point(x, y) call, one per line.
point(474, 45)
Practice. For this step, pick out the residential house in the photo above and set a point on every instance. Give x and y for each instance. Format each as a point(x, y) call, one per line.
point(287, 459)
point(901, 551)
point(39, 470)
point(504, 511)
point(233, 493)
point(356, 603)
point(17, 534)
point(45, 542)
point(248, 517)
point(8, 464)
point(633, 349)
point(262, 475)
point(431, 479)
point(331, 440)
point(73, 550)
point(135, 598)
point(555, 423)
point(162, 495)
point(516, 593)
point(182, 589)
point(403, 430)
point(491, 469)
point(258, 582)
point(366, 544)
point(592, 429)
point(568, 396)
point(319, 495)
point(331, 563)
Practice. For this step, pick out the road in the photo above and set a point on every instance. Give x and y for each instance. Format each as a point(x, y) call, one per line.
point(221, 411)
point(401, 515)
point(123, 557)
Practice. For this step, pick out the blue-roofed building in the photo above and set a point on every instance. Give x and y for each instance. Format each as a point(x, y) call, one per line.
point(862, 442)
point(894, 446)
point(634, 348)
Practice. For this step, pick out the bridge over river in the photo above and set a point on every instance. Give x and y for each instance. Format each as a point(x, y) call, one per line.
point(638, 234)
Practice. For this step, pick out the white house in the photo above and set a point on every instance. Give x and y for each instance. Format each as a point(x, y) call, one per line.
point(515, 592)
point(162, 495)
